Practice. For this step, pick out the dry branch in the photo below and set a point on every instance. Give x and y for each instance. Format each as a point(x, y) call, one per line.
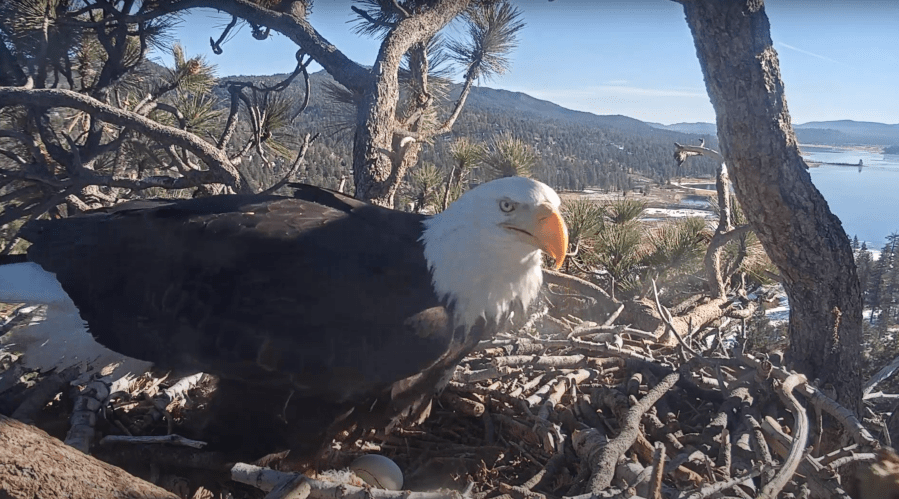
point(220, 168)
point(84, 415)
point(162, 439)
point(267, 479)
point(602, 476)
point(800, 430)
point(884, 373)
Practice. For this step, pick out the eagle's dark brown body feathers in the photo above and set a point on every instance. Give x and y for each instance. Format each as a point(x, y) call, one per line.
point(251, 287)
point(305, 306)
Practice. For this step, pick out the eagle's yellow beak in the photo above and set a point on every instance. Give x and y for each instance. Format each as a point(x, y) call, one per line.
point(551, 233)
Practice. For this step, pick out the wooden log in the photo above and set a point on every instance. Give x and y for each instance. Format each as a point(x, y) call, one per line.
point(34, 464)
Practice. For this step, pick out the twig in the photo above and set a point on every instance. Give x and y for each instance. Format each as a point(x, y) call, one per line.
point(709, 490)
point(542, 361)
point(859, 433)
point(161, 439)
point(884, 373)
point(666, 318)
point(861, 457)
point(220, 168)
point(492, 372)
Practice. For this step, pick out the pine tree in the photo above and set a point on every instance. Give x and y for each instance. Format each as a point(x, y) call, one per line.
point(879, 288)
point(865, 263)
point(890, 283)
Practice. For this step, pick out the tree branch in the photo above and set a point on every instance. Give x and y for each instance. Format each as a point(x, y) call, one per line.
point(346, 71)
point(301, 156)
point(457, 110)
point(220, 168)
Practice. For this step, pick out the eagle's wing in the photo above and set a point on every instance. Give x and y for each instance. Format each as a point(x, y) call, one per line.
point(324, 292)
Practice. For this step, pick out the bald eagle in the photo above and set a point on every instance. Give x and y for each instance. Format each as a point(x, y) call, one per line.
point(307, 308)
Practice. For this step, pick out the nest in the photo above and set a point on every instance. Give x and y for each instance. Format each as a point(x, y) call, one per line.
point(586, 410)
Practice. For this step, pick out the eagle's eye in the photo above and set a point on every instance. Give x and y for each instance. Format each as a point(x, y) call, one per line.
point(506, 206)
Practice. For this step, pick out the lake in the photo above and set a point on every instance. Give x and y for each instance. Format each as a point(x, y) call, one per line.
point(866, 201)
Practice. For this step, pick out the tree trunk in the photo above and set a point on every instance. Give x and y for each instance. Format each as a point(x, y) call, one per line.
point(792, 220)
point(34, 464)
point(378, 153)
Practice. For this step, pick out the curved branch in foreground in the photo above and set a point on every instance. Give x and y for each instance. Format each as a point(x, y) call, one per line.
point(608, 458)
point(842, 414)
point(221, 170)
point(801, 430)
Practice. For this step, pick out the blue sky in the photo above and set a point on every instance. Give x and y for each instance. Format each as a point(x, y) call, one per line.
point(839, 59)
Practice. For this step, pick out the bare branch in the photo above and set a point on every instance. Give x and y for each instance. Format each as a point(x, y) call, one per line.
point(217, 44)
point(231, 124)
point(29, 173)
point(220, 168)
point(301, 156)
point(346, 71)
point(630, 428)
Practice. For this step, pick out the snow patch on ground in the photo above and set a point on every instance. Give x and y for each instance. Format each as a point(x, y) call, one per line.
point(780, 313)
point(657, 213)
point(777, 309)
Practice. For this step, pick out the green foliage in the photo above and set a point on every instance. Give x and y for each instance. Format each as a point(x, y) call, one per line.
point(625, 210)
point(677, 247)
point(754, 260)
point(425, 183)
point(466, 155)
point(201, 111)
point(585, 220)
point(864, 261)
point(618, 250)
point(604, 243)
point(507, 156)
point(615, 246)
point(31, 25)
point(190, 75)
point(375, 18)
point(882, 290)
point(493, 33)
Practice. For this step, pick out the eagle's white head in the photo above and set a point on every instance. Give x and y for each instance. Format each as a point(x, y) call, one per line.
point(484, 251)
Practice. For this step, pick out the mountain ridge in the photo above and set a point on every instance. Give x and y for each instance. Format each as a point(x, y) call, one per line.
point(834, 132)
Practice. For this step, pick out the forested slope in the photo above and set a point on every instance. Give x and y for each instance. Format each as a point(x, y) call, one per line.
point(576, 149)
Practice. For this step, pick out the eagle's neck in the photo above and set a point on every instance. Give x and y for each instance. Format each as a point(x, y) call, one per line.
point(478, 269)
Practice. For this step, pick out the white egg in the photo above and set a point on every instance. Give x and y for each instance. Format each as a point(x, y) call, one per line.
point(378, 471)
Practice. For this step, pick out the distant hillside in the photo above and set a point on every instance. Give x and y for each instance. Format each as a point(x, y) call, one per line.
point(700, 128)
point(490, 99)
point(840, 132)
point(863, 132)
point(576, 149)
